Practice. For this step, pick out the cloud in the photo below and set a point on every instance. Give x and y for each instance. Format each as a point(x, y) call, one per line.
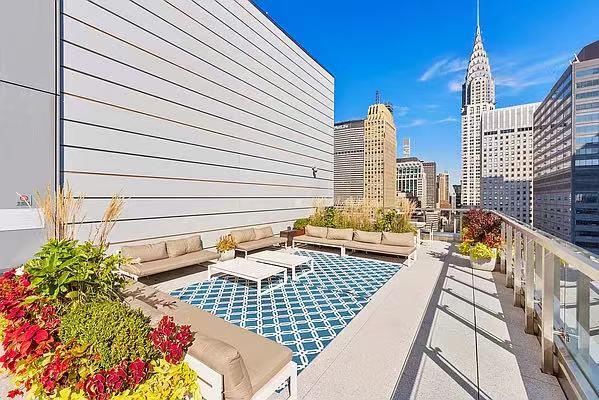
point(530, 72)
point(455, 85)
point(444, 67)
point(413, 123)
point(400, 111)
point(422, 121)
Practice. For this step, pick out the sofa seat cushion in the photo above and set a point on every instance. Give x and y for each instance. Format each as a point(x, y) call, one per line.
point(403, 251)
point(316, 231)
point(243, 235)
point(262, 357)
point(261, 243)
point(367, 237)
point(398, 239)
point(322, 241)
point(340, 234)
point(170, 263)
point(179, 247)
point(264, 232)
point(146, 252)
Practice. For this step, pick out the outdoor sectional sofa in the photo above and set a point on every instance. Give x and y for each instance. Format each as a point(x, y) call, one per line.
point(389, 243)
point(165, 256)
point(232, 363)
point(256, 238)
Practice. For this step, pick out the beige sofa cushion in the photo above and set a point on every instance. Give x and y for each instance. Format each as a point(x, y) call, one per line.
point(321, 241)
point(263, 358)
point(146, 252)
point(179, 247)
point(367, 237)
point(403, 251)
point(316, 231)
point(261, 243)
point(243, 235)
point(264, 232)
point(398, 239)
point(340, 234)
point(169, 263)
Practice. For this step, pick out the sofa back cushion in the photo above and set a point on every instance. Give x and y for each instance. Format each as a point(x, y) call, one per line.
point(263, 232)
point(340, 234)
point(316, 231)
point(179, 247)
point(398, 239)
point(146, 252)
point(367, 237)
point(244, 235)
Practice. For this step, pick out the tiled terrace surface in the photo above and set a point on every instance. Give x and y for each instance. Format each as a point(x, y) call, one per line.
point(436, 330)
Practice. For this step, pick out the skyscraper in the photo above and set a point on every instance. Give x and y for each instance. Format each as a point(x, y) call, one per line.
point(380, 153)
point(349, 160)
point(406, 147)
point(411, 180)
point(566, 154)
point(507, 156)
point(478, 95)
point(430, 168)
point(443, 190)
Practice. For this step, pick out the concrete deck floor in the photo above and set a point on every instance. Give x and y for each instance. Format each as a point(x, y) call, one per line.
point(436, 330)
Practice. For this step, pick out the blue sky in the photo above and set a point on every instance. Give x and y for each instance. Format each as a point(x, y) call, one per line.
point(416, 52)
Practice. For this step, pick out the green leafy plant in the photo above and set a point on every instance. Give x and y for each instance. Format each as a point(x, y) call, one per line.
point(66, 270)
point(226, 243)
point(481, 251)
point(464, 248)
point(301, 223)
point(113, 330)
point(392, 221)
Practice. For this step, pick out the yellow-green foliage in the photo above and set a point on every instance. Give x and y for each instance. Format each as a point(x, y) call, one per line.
point(481, 251)
point(464, 248)
point(3, 325)
point(226, 243)
point(168, 382)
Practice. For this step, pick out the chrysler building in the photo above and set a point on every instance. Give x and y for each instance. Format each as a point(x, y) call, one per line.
point(478, 95)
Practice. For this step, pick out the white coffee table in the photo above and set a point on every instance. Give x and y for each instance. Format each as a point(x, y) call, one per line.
point(283, 259)
point(250, 270)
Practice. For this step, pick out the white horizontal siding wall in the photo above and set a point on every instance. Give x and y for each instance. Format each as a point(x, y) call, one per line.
point(202, 112)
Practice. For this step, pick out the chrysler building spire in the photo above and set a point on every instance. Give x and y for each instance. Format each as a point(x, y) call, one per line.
point(478, 95)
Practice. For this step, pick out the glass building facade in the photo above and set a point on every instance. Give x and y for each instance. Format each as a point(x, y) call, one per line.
point(566, 154)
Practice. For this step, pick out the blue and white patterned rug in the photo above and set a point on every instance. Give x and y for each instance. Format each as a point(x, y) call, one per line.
point(304, 315)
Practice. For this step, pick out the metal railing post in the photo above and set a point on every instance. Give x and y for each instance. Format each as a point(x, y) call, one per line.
point(508, 257)
point(518, 269)
point(583, 311)
point(502, 260)
point(529, 285)
point(547, 310)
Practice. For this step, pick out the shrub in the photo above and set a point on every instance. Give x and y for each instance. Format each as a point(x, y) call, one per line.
point(392, 221)
point(481, 251)
point(112, 330)
point(65, 270)
point(225, 243)
point(482, 226)
point(301, 223)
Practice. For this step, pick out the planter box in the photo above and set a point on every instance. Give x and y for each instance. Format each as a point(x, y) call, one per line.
point(227, 255)
point(486, 264)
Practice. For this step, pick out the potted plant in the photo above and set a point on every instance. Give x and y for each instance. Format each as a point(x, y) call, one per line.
point(481, 238)
point(226, 247)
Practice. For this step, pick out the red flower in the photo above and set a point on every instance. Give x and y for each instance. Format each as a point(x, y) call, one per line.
point(172, 340)
point(137, 372)
point(95, 387)
point(14, 393)
point(116, 378)
point(54, 372)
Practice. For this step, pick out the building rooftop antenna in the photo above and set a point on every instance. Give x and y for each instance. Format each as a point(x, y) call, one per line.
point(377, 97)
